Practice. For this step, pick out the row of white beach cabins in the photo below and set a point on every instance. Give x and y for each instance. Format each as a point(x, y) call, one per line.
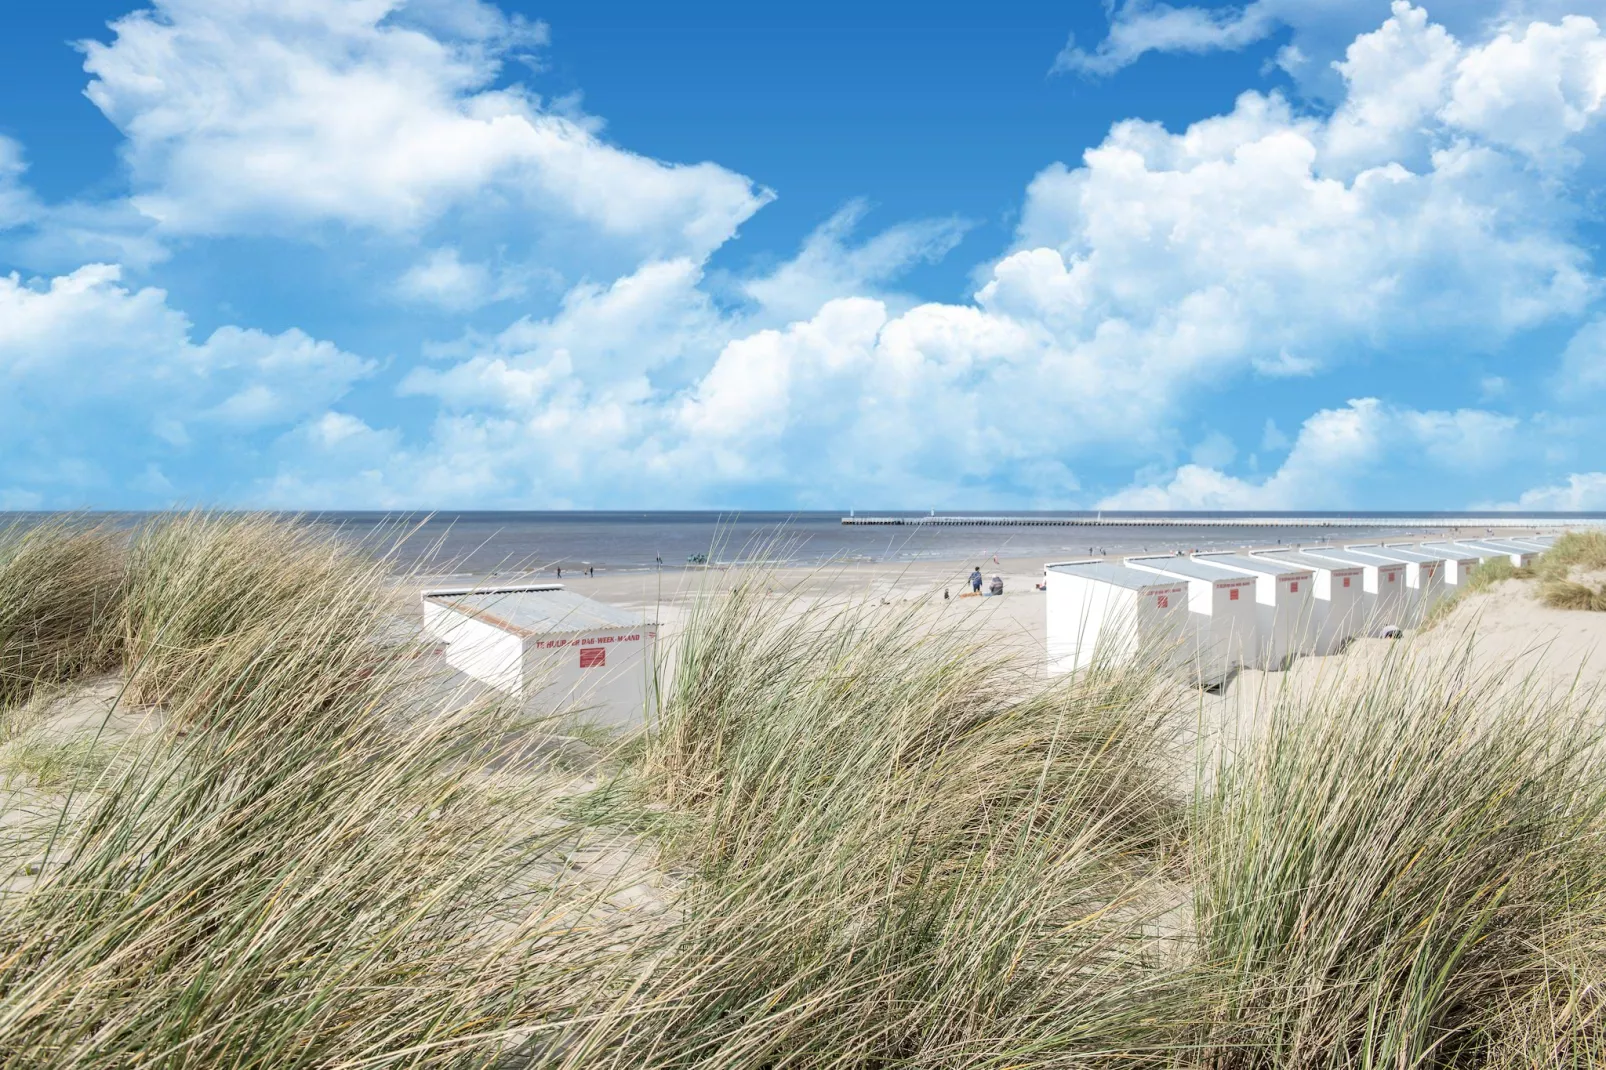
point(1216, 613)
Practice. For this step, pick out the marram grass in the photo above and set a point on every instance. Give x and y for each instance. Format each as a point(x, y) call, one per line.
point(910, 853)
point(61, 588)
point(1559, 569)
point(1406, 871)
point(880, 845)
point(308, 867)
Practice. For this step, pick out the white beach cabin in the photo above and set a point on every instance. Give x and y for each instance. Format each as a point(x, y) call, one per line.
point(1223, 624)
point(1480, 553)
point(1523, 545)
point(1100, 611)
point(1458, 561)
point(1338, 597)
point(550, 647)
point(1383, 590)
point(1530, 542)
point(1287, 627)
point(1424, 575)
point(1515, 554)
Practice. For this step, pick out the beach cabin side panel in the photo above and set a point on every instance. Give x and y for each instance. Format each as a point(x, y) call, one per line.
point(603, 676)
point(488, 654)
point(1074, 618)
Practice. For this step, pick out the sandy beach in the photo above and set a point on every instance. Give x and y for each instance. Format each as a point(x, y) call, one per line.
point(1506, 626)
point(825, 757)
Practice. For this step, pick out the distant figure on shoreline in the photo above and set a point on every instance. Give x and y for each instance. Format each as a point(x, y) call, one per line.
point(975, 580)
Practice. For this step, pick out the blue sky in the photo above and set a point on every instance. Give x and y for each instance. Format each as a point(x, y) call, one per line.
point(1289, 254)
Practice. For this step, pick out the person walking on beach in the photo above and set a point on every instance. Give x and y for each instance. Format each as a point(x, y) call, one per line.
point(975, 581)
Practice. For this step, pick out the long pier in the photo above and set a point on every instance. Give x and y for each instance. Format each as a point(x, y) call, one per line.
point(1498, 521)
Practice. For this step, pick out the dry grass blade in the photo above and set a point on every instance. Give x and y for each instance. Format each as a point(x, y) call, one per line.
point(882, 846)
point(1564, 568)
point(1390, 864)
point(60, 594)
point(910, 852)
point(314, 865)
point(199, 582)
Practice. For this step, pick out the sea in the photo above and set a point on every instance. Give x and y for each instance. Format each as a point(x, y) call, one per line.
point(482, 544)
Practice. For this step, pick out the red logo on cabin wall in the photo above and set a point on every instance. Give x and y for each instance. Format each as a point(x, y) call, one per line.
point(1163, 601)
point(1232, 595)
point(1346, 581)
point(593, 657)
point(1293, 587)
point(1391, 577)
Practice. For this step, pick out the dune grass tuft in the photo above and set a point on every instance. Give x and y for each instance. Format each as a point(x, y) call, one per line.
point(61, 586)
point(315, 864)
point(1568, 594)
point(200, 583)
point(1576, 549)
point(1559, 567)
point(908, 851)
point(879, 843)
point(1388, 876)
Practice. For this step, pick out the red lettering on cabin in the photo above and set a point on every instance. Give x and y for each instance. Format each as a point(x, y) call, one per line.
point(594, 658)
point(596, 640)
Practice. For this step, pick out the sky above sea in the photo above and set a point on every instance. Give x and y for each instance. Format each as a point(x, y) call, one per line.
point(457, 254)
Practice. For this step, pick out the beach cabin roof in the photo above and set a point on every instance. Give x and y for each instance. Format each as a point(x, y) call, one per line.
point(1351, 557)
point(536, 610)
point(1303, 560)
point(1187, 566)
point(1451, 551)
point(1522, 545)
point(1115, 575)
point(1491, 548)
point(1264, 566)
point(1399, 553)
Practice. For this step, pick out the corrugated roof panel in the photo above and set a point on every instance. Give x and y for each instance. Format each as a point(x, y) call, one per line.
point(1304, 560)
point(1352, 558)
point(539, 612)
point(1266, 567)
point(1399, 553)
point(1487, 548)
point(1187, 566)
point(1117, 575)
point(1450, 551)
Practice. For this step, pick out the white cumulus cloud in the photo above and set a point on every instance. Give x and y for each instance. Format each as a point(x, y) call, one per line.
point(254, 115)
point(101, 380)
point(1261, 242)
point(1138, 27)
point(1583, 492)
point(1361, 455)
point(17, 202)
